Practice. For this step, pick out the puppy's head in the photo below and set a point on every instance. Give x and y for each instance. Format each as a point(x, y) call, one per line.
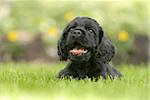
point(80, 40)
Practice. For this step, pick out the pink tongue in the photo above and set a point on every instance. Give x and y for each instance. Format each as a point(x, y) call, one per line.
point(76, 51)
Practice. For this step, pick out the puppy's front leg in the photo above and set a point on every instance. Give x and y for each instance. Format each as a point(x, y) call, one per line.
point(107, 70)
point(67, 72)
point(113, 72)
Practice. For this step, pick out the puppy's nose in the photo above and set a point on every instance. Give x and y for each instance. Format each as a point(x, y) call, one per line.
point(77, 33)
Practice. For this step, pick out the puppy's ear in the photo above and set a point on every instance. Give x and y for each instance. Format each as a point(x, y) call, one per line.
point(101, 34)
point(105, 49)
point(61, 45)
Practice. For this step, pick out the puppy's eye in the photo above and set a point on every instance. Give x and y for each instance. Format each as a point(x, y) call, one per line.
point(71, 29)
point(90, 30)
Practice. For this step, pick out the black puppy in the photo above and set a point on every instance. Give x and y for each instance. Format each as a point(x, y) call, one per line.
point(88, 50)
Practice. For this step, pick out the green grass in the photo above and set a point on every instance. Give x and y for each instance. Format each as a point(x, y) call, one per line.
point(39, 82)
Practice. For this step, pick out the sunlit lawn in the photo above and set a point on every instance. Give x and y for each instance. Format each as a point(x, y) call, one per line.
point(38, 81)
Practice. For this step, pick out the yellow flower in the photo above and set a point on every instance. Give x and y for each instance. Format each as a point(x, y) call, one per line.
point(12, 36)
point(69, 16)
point(53, 31)
point(123, 36)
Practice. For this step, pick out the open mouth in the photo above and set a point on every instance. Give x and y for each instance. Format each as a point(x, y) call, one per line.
point(78, 50)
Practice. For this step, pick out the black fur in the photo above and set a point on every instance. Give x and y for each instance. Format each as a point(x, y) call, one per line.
point(95, 62)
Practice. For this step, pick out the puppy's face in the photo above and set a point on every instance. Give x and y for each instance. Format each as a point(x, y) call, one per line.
point(82, 37)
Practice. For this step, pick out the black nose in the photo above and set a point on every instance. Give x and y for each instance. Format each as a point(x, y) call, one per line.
point(77, 33)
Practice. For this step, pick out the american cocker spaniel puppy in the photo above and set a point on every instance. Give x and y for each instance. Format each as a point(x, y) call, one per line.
point(89, 52)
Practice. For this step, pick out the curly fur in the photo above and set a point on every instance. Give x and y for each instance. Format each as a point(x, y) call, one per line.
point(100, 51)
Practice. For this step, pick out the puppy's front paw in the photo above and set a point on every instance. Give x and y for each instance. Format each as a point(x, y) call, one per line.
point(112, 72)
point(66, 73)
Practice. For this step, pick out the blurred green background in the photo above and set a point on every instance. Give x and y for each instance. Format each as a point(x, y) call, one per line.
point(29, 30)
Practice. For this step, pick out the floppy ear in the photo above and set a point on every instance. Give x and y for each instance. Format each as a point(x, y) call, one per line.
point(61, 45)
point(101, 34)
point(105, 49)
